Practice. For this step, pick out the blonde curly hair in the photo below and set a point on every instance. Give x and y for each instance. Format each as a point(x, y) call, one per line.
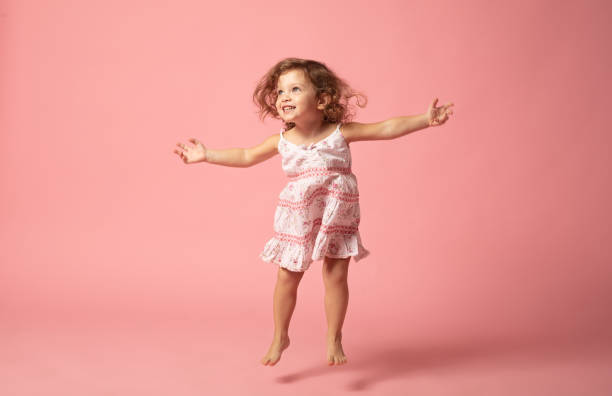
point(324, 81)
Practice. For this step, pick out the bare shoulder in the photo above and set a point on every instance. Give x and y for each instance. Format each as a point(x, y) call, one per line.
point(272, 140)
point(263, 151)
point(356, 131)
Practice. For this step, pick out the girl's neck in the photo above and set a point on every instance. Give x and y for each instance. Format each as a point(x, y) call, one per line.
point(311, 129)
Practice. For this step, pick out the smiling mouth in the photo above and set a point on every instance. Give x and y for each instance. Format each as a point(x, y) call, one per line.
point(288, 109)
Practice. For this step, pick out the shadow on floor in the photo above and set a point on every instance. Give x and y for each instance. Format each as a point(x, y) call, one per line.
point(377, 363)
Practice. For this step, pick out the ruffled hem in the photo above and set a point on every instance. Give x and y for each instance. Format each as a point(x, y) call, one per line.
point(295, 257)
point(285, 254)
point(339, 245)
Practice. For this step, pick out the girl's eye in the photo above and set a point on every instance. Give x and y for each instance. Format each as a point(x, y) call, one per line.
point(280, 90)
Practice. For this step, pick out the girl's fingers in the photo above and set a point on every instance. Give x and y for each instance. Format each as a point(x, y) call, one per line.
point(197, 142)
point(182, 155)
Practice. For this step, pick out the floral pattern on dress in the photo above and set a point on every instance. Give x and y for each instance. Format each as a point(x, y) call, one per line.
point(318, 211)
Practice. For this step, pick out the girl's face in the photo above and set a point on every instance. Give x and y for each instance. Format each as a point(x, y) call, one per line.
point(296, 97)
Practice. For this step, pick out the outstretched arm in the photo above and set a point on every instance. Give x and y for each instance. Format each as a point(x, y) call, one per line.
point(397, 126)
point(236, 157)
point(199, 153)
point(266, 150)
point(228, 157)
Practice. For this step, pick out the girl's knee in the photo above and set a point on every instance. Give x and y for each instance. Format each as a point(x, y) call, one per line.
point(335, 279)
point(285, 275)
point(335, 270)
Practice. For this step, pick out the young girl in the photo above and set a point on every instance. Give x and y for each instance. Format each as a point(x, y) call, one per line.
point(317, 216)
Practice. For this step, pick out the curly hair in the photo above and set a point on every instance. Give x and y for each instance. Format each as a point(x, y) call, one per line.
point(324, 81)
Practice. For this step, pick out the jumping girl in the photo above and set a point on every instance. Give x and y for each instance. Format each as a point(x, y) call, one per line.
point(317, 215)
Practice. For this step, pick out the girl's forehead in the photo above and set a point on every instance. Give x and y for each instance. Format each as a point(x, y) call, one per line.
point(292, 76)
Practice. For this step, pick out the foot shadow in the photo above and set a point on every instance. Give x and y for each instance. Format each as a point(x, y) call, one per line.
point(387, 361)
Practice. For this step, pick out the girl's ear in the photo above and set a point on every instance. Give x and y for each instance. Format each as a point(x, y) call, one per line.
point(324, 100)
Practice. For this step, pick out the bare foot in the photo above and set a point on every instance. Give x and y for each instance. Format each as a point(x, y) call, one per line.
point(335, 353)
point(275, 351)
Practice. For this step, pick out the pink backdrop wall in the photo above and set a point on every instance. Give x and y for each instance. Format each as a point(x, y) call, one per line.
point(497, 222)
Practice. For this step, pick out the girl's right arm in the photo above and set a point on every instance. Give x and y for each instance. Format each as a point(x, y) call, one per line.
point(263, 151)
point(236, 157)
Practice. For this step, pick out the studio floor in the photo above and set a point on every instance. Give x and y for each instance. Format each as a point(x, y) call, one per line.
point(188, 358)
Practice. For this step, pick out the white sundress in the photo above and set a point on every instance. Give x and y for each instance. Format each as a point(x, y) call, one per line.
point(318, 210)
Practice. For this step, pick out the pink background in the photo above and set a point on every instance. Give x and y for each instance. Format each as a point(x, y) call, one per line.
point(490, 236)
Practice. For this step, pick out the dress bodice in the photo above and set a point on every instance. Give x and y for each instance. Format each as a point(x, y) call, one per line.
point(327, 156)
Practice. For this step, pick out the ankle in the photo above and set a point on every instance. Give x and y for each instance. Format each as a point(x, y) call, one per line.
point(334, 336)
point(281, 337)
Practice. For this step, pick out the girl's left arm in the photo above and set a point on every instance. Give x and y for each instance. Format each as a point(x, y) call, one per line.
point(397, 126)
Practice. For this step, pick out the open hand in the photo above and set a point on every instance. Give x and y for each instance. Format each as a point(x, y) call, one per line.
point(438, 115)
point(190, 154)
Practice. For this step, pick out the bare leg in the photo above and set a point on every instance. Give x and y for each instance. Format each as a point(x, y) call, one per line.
point(335, 276)
point(285, 295)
